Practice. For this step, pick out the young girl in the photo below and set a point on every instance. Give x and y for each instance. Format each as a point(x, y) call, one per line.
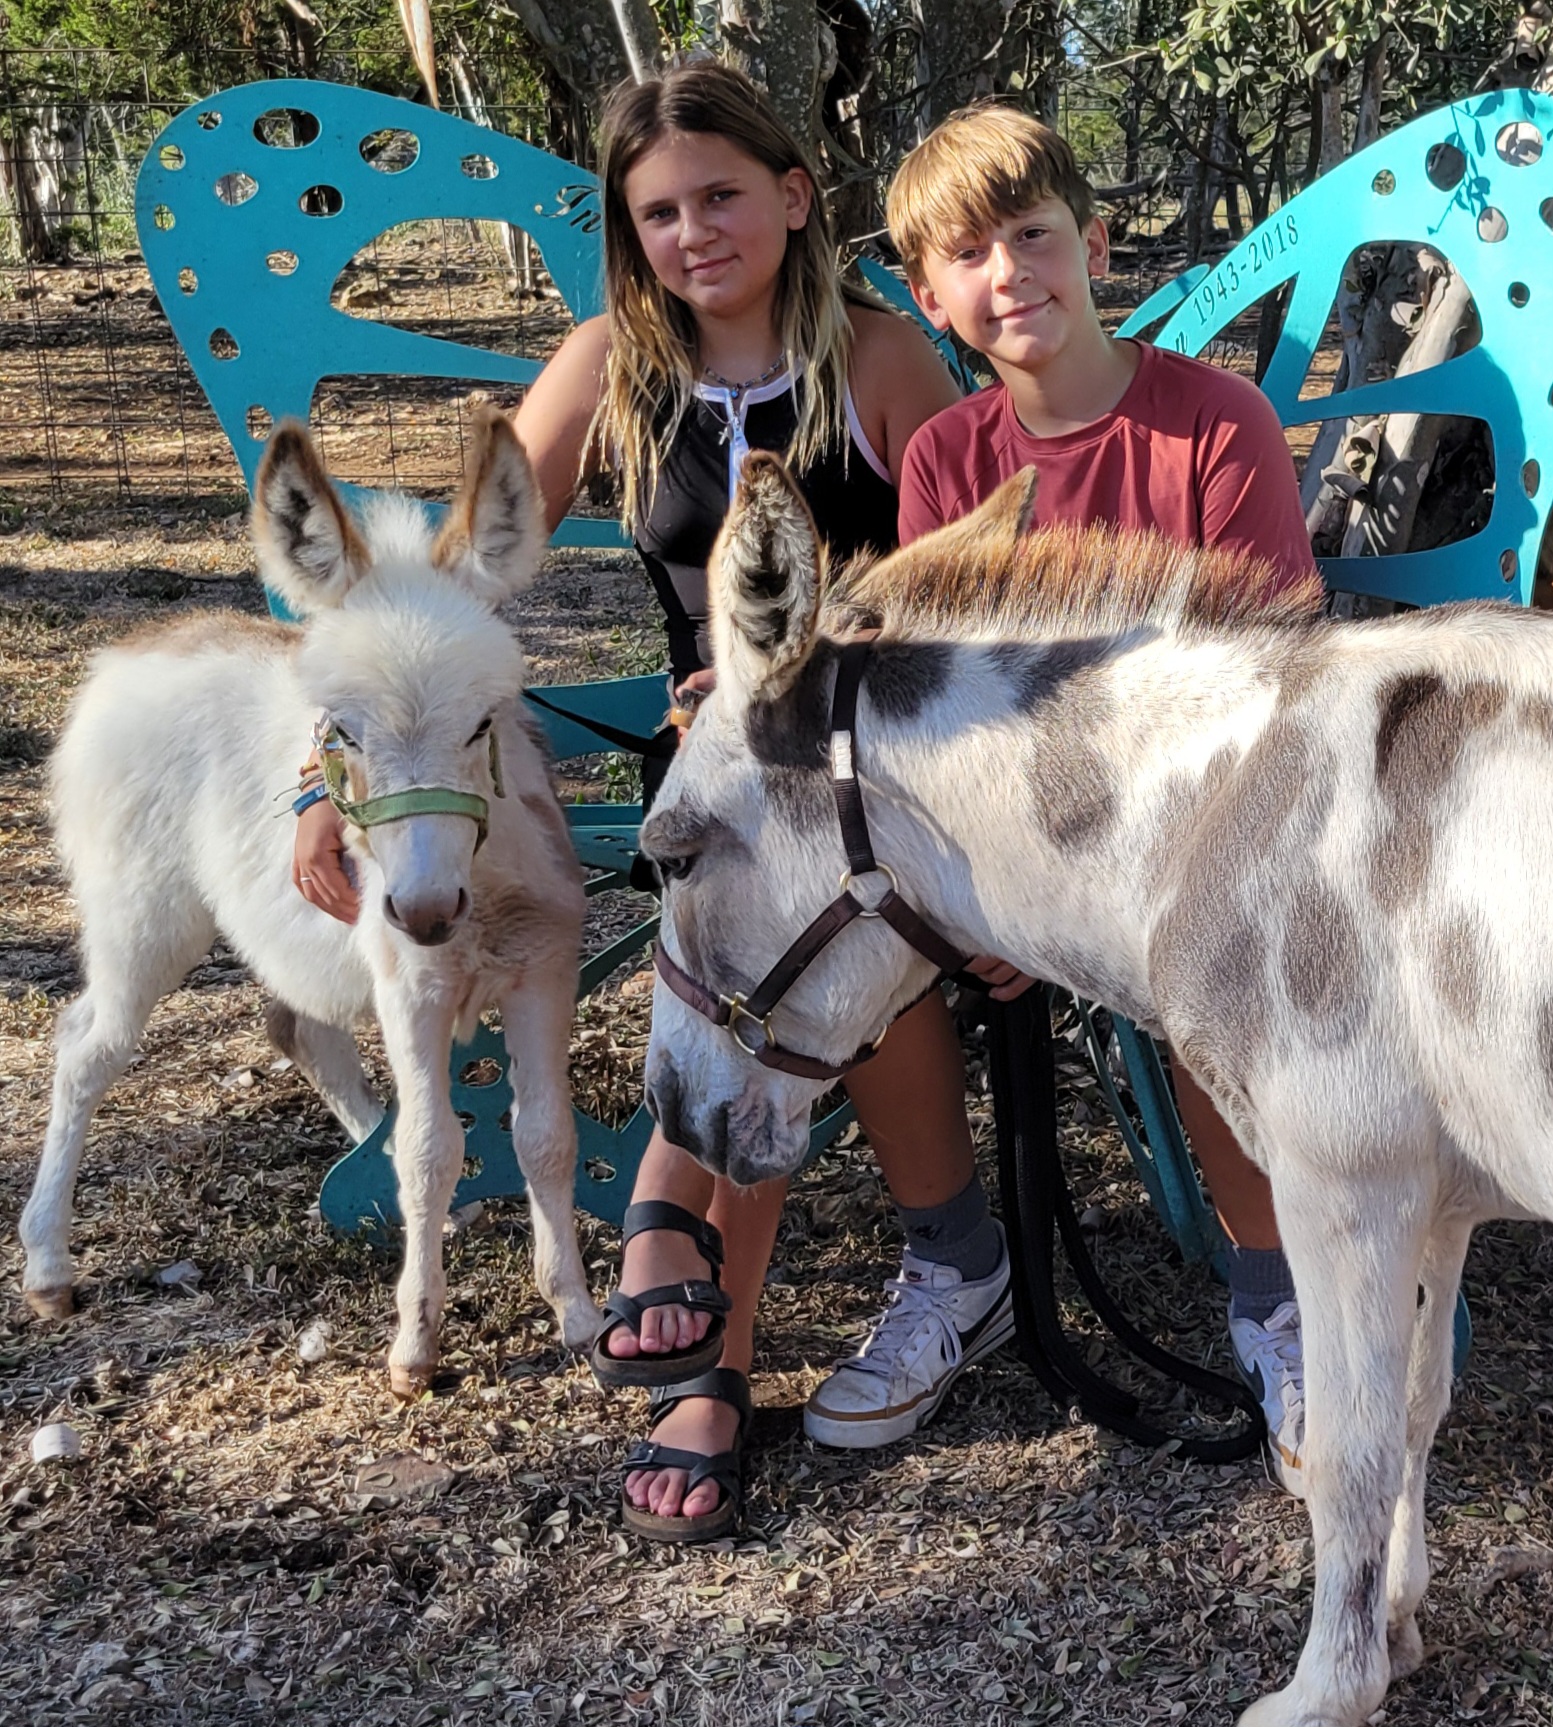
point(728, 329)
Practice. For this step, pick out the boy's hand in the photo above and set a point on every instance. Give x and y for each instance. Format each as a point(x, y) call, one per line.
point(1007, 980)
point(689, 696)
point(318, 862)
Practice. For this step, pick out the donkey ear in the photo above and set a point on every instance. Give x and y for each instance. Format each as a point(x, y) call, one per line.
point(1009, 513)
point(309, 550)
point(766, 572)
point(494, 535)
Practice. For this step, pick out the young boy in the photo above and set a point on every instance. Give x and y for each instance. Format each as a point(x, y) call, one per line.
point(997, 230)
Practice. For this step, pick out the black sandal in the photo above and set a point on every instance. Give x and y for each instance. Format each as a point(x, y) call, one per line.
point(726, 1468)
point(701, 1295)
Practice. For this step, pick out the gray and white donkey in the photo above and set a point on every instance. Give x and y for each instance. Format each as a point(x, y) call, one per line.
point(162, 793)
point(1300, 851)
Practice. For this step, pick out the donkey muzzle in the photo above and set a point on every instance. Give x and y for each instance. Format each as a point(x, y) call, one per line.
point(428, 918)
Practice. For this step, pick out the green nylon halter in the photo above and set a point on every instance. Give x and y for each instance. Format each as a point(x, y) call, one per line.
point(417, 801)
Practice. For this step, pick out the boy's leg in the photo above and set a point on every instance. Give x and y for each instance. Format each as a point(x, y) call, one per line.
point(1264, 1324)
point(747, 1218)
point(951, 1303)
point(1242, 1195)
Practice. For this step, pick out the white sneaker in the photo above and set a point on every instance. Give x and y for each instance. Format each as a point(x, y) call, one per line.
point(936, 1325)
point(1272, 1363)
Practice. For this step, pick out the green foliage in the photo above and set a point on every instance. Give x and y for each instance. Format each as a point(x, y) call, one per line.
point(179, 50)
point(1228, 48)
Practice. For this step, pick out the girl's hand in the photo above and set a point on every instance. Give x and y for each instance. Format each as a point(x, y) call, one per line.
point(318, 862)
point(1007, 981)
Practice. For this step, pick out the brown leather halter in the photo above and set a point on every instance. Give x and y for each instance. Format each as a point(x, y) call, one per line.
point(747, 1016)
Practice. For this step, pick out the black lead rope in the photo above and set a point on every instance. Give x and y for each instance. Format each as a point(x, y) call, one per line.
point(658, 747)
point(1038, 1206)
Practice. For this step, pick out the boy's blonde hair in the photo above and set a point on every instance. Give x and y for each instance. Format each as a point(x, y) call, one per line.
point(977, 168)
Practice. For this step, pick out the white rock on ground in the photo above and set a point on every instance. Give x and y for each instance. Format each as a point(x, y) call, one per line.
point(313, 1344)
point(57, 1443)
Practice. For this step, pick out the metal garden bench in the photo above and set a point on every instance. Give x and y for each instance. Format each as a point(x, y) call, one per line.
point(250, 204)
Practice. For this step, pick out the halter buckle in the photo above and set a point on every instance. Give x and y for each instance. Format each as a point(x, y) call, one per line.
point(878, 869)
point(737, 1011)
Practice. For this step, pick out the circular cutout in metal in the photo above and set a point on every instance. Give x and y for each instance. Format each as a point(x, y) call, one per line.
point(236, 188)
point(1519, 144)
point(286, 128)
point(321, 201)
point(1445, 165)
point(390, 150)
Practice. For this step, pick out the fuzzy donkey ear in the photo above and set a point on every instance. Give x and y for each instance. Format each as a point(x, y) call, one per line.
point(766, 571)
point(494, 536)
point(309, 550)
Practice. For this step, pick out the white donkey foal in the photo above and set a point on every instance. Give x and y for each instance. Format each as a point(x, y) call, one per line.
point(1300, 851)
point(163, 786)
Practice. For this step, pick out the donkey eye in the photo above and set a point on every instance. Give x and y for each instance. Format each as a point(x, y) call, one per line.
point(676, 868)
point(480, 730)
point(345, 737)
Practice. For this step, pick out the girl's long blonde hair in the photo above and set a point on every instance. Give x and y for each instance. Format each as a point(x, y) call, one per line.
point(653, 363)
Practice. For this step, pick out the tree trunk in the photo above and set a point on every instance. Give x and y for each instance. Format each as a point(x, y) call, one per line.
point(579, 45)
point(1341, 460)
point(1372, 91)
point(41, 163)
point(974, 48)
point(18, 180)
point(1327, 113)
point(511, 242)
point(1383, 521)
point(779, 43)
point(638, 33)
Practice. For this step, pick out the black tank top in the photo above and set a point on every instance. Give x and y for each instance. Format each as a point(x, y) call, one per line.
point(848, 489)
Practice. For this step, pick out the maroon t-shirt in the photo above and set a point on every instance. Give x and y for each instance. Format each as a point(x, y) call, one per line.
point(1191, 450)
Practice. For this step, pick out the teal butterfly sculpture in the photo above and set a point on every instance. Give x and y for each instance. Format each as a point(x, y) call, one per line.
point(1474, 181)
point(249, 205)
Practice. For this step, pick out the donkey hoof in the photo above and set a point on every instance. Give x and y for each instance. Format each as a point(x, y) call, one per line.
point(580, 1324)
point(408, 1383)
point(57, 1302)
point(1405, 1644)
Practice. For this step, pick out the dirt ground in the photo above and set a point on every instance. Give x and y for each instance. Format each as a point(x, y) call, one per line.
point(208, 1559)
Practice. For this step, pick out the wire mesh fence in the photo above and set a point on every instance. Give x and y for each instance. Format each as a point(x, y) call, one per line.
point(97, 400)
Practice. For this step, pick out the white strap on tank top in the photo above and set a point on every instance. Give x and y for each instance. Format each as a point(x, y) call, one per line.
point(735, 407)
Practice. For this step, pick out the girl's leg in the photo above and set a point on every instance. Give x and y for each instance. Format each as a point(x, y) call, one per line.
point(664, 1255)
point(748, 1219)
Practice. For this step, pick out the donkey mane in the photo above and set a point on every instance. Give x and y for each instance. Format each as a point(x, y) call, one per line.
point(991, 575)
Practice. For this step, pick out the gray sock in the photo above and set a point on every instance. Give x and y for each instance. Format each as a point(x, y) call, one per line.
point(960, 1232)
point(1259, 1282)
